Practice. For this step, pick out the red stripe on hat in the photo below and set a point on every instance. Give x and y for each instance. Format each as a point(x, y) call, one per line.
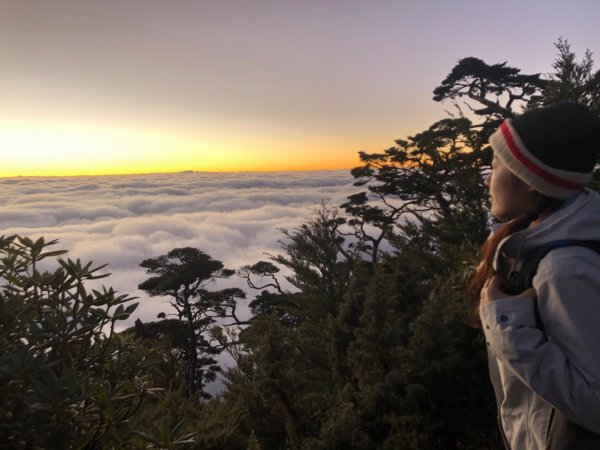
point(523, 159)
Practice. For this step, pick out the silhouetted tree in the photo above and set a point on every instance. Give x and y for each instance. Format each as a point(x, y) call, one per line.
point(429, 179)
point(284, 375)
point(491, 92)
point(318, 256)
point(183, 275)
point(573, 81)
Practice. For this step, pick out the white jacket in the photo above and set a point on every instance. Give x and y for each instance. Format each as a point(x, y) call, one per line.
point(563, 371)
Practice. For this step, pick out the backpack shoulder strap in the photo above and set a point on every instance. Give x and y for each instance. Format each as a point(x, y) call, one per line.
point(523, 278)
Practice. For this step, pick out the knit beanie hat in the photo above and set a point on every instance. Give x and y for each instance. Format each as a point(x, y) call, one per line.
point(552, 149)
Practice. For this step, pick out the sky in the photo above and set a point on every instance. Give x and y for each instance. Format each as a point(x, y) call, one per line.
point(153, 86)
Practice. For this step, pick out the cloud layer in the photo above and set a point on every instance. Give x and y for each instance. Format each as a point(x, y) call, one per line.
point(122, 220)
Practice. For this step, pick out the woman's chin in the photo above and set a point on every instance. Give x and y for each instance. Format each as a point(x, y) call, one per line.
point(501, 216)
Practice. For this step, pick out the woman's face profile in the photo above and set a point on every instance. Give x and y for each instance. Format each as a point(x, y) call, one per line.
point(509, 196)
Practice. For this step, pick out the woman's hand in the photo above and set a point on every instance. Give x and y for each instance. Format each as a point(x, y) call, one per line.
point(491, 291)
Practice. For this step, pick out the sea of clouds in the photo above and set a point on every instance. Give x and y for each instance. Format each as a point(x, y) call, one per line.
point(122, 220)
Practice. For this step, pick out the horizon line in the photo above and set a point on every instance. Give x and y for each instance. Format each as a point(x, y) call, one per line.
point(173, 173)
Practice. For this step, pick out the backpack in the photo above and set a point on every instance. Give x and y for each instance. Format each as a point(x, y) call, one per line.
point(563, 434)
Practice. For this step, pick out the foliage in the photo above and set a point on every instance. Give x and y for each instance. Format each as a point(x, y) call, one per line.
point(490, 92)
point(283, 377)
point(444, 357)
point(183, 274)
point(317, 255)
point(573, 81)
point(430, 178)
point(62, 381)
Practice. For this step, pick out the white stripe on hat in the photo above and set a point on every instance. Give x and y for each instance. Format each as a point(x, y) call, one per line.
point(550, 181)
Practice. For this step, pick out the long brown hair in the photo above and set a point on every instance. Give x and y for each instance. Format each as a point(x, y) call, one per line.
point(485, 270)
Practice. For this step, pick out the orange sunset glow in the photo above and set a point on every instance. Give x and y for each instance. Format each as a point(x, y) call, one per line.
point(145, 86)
point(50, 149)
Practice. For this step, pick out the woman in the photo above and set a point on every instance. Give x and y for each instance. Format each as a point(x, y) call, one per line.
point(544, 342)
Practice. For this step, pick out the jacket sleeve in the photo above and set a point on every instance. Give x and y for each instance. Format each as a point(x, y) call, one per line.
point(563, 367)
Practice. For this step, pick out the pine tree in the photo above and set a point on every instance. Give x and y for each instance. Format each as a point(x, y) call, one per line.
point(183, 275)
point(573, 81)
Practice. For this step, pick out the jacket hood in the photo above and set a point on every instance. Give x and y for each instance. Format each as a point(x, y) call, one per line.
point(579, 218)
